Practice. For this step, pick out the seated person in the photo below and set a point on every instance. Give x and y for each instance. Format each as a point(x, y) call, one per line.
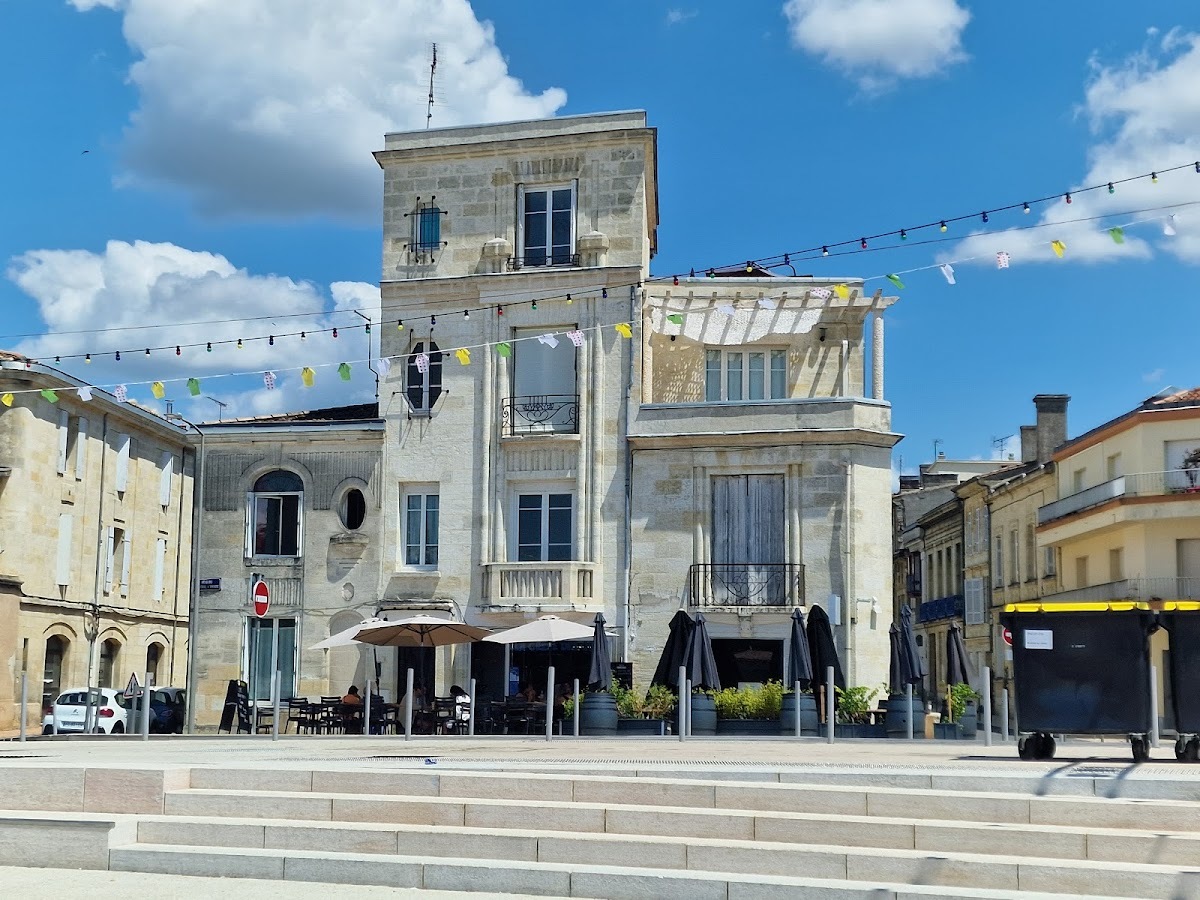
point(352, 698)
point(456, 692)
point(528, 693)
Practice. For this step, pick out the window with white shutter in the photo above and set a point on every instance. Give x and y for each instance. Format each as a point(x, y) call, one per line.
point(123, 443)
point(109, 545)
point(165, 474)
point(65, 524)
point(64, 428)
point(81, 447)
point(974, 605)
point(124, 563)
point(160, 564)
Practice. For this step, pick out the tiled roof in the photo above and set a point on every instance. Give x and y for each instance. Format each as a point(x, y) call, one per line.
point(1191, 395)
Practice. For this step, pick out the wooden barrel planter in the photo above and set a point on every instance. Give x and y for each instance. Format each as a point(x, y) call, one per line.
point(704, 714)
point(808, 714)
point(598, 714)
point(748, 727)
point(896, 718)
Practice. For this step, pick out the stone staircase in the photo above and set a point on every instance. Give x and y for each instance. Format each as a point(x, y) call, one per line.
point(696, 833)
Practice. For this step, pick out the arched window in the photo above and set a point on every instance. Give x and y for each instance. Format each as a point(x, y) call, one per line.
point(110, 653)
point(423, 388)
point(56, 657)
point(274, 513)
point(153, 656)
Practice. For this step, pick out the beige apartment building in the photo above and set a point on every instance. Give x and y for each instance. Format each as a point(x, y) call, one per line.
point(95, 533)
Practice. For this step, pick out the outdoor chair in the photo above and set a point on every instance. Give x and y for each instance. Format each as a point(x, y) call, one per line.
point(303, 714)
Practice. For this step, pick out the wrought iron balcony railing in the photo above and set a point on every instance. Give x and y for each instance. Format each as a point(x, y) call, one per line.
point(541, 259)
point(746, 584)
point(1140, 484)
point(540, 414)
point(951, 607)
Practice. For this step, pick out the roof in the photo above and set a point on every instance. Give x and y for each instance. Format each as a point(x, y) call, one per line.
point(1189, 397)
point(1161, 404)
point(357, 412)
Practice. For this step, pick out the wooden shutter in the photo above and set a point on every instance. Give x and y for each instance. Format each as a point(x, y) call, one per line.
point(81, 448)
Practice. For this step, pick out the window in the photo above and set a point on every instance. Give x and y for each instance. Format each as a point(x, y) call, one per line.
point(544, 393)
point(546, 226)
point(1030, 553)
point(110, 654)
point(426, 228)
point(52, 668)
point(1077, 480)
point(544, 527)
point(160, 567)
point(421, 511)
point(1112, 466)
point(974, 605)
point(353, 509)
point(1116, 564)
point(267, 641)
point(998, 563)
point(1048, 562)
point(1081, 571)
point(81, 450)
point(116, 579)
point(423, 388)
point(64, 439)
point(153, 657)
point(274, 515)
point(745, 375)
point(166, 470)
point(1015, 558)
point(748, 545)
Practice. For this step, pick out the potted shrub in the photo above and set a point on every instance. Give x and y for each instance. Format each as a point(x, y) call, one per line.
point(749, 710)
point(638, 714)
point(854, 707)
point(964, 708)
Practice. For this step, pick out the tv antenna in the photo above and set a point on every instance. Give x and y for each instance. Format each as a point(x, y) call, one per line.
point(998, 443)
point(432, 70)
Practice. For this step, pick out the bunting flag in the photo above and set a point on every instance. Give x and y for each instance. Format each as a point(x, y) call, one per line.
point(1169, 226)
point(767, 303)
point(1059, 248)
point(675, 319)
point(1002, 260)
point(269, 380)
point(121, 393)
point(158, 390)
point(7, 399)
point(842, 291)
point(385, 367)
point(821, 293)
point(85, 394)
point(575, 337)
point(464, 356)
point(504, 349)
point(49, 396)
point(344, 371)
point(308, 376)
point(727, 309)
point(895, 279)
point(193, 386)
point(623, 329)
point(422, 363)
point(948, 272)
point(1117, 234)
point(549, 340)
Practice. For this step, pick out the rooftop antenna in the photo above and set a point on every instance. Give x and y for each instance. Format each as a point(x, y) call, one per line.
point(998, 443)
point(937, 442)
point(432, 70)
point(220, 406)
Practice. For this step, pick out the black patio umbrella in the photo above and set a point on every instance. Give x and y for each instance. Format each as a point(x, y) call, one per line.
point(912, 668)
point(799, 658)
point(956, 658)
point(676, 650)
point(600, 674)
point(702, 665)
point(896, 682)
point(823, 649)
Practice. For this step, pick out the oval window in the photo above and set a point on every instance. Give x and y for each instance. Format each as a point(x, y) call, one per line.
point(354, 509)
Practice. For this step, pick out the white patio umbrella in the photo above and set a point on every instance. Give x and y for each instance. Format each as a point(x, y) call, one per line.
point(419, 631)
point(542, 630)
point(346, 637)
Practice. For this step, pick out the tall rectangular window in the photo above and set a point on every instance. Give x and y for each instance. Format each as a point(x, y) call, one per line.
point(1116, 564)
point(269, 640)
point(546, 226)
point(545, 527)
point(998, 563)
point(160, 568)
point(64, 437)
point(1030, 553)
point(81, 446)
point(1015, 559)
point(1048, 564)
point(116, 568)
point(1081, 571)
point(421, 511)
point(166, 471)
point(545, 395)
point(426, 229)
point(733, 375)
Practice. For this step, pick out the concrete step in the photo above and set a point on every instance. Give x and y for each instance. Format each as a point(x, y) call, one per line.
point(555, 879)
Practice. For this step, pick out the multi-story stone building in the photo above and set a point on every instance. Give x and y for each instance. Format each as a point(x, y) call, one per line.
point(95, 533)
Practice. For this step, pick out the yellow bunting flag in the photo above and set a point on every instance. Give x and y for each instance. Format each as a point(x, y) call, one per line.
point(7, 399)
point(308, 376)
point(623, 329)
point(158, 390)
point(842, 291)
point(1059, 248)
point(464, 356)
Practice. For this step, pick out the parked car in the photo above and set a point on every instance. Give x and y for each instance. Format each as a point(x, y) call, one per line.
point(70, 709)
point(166, 711)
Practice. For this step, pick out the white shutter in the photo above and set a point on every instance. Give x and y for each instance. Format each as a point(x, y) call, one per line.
point(249, 525)
point(160, 561)
point(125, 542)
point(65, 523)
point(64, 426)
point(167, 470)
point(521, 224)
point(108, 560)
point(81, 447)
point(122, 462)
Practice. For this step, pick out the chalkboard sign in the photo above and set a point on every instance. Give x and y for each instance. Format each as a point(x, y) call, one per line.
point(623, 673)
point(237, 702)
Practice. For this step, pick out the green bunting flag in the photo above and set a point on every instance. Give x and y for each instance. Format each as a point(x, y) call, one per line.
point(344, 371)
point(895, 279)
point(50, 395)
point(675, 319)
point(1117, 234)
point(193, 386)
point(504, 349)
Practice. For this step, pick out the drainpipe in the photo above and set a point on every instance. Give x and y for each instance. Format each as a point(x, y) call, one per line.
point(194, 599)
point(101, 560)
point(627, 581)
point(178, 565)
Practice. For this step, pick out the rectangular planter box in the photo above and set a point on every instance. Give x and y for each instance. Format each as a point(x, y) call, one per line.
point(748, 727)
point(947, 731)
point(641, 726)
point(859, 731)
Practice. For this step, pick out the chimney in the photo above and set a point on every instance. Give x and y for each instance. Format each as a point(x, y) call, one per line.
point(1051, 423)
point(1029, 445)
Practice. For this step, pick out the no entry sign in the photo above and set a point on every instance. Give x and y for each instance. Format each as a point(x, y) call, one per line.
point(262, 598)
point(1007, 635)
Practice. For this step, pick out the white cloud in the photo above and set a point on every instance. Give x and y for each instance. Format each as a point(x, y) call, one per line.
point(1154, 377)
point(1145, 115)
point(880, 41)
point(677, 16)
point(143, 283)
point(271, 108)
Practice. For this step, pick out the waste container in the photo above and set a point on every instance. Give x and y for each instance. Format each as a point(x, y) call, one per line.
point(1182, 620)
point(1081, 668)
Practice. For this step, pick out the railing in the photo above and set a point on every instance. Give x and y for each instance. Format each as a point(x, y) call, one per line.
point(746, 584)
point(540, 414)
point(950, 607)
point(541, 259)
point(1141, 484)
point(538, 583)
point(1164, 588)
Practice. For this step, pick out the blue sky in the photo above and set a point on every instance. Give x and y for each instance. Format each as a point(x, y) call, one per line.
point(228, 174)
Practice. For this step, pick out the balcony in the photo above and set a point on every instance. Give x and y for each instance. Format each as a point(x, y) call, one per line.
point(1142, 484)
point(746, 584)
point(541, 259)
point(952, 607)
point(1163, 588)
point(539, 584)
point(540, 414)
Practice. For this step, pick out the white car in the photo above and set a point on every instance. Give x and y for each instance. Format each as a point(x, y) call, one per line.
point(67, 716)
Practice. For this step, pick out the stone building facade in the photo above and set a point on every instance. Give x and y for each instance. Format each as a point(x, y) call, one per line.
point(95, 536)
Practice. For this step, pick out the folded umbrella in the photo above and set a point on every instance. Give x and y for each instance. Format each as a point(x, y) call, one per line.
point(799, 657)
point(676, 651)
point(702, 665)
point(600, 673)
point(823, 649)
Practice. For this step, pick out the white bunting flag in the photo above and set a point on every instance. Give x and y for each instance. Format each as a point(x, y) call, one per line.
point(385, 366)
point(576, 338)
point(948, 271)
point(120, 393)
point(1001, 260)
point(1169, 226)
point(727, 309)
point(821, 293)
point(85, 394)
point(422, 363)
point(549, 340)
point(269, 380)
point(767, 303)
